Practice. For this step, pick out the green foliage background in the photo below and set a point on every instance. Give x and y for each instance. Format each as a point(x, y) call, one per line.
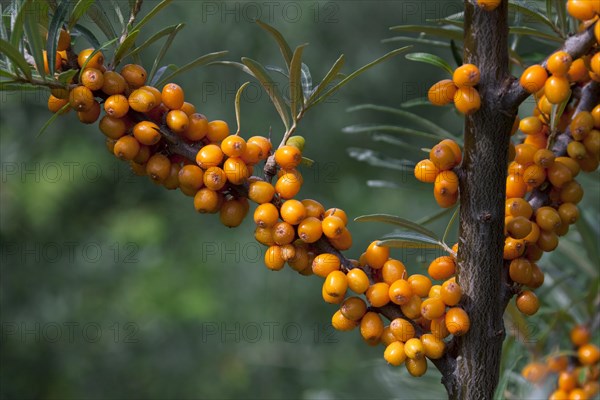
point(177, 276)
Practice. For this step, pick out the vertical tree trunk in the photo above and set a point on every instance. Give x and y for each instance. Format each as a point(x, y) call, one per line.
point(482, 178)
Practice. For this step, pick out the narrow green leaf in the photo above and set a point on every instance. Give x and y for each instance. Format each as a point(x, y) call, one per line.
point(307, 162)
point(561, 12)
point(417, 119)
point(352, 129)
point(284, 47)
point(117, 8)
point(431, 59)
point(329, 77)
point(270, 87)
point(376, 159)
point(306, 80)
point(152, 14)
point(530, 10)
point(450, 224)
point(7, 74)
point(382, 137)
point(17, 86)
point(163, 32)
point(52, 119)
point(160, 72)
point(416, 40)
point(65, 77)
point(358, 72)
point(588, 238)
point(456, 53)
point(36, 42)
point(27, 8)
point(198, 62)
point(78, 11)
point(16, 57)
point(89, 36)
point(523, 30)
point(164, 49)
point(98, 15)
point(296, 93)
point(449, 33)
point(398, 221)
point(54, 33)
point(125, 46)
point(409, 240)
point(233, 64)
point(238, 96)
point(419, 101)
point(279, 70)
point(434, 217)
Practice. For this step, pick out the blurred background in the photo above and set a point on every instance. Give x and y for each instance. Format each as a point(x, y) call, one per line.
point(112, 287)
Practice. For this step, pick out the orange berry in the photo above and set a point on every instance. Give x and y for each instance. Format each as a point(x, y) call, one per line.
point(325, 263)
point(394, 353)
point(341, 323)
point(116, 106)
point(513, 248)
point(392, 271)
point(266, 215)
point(114, 128)
point(544, 158)
point(191, 176)
point(236, 170)
point(64, 40)
point(135, 75)
point(578, 71)
point(530, 125)
point(197, 127)
point(442, 157)
point(274, 258)
point(420, 284)
point(455, 149)
point(292, 212)
point(412, 309)
point(450, 293)
point(207, 201)
point(283, 233)
point(527, 302)
point(288, 185)
point(376, 255)
point(147, 133)
point(442, 268)
point(535, 372)
point(288, 157)
point(336, 284)
point(158, 168)
point(233, 146)
point(533, 78)
point(310, 230)
point(524, 153)
point(416, 366)
point(177, 121)
point(217, 131)
point(353, 308)
point(233, 212)
point(433, 347)
point(126, 148)
point(402, 329)
point(399, 292)
point(209, 156)
point(432, 308)
point(457, 321)
point(333, 227)
point(467, 100)
point(466, 75)
point(580, 335)
point(557, 89)
point(442, 92)
point(414, 348)
point(581, 9)
point(337, 212)
point(313, 208)
point(371, 327)
point(520, 271)
point(446, 183)
point(588, 354)
point(488, 5)
point(559, 174)
point(358, 281)
point(95, 62)
point(567, 381)
point(515, 186)
point(559, 63)
point(261, 192)
point(518, 207)
point(92, 78)
point(426, 171)
point(214, 178)
point(114, 83)
point(519, 227)
point(378, 294)
point(81, 98)
point(571, 192)
point(142, 100)
point(55, 104)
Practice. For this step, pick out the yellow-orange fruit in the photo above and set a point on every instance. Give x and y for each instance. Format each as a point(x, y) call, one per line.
point(527, 302)
point(457, 321)
point(467, 100)
point(466, 75)
point(533, 78)
point(442, 92)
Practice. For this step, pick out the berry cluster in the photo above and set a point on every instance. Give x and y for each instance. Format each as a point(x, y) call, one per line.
point(576, 375)
point(143, 122)
point(438, 170)
point(583, 10)
point(460, 90)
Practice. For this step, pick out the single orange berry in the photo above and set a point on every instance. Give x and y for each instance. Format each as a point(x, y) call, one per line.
point(209, 156)
point(394, 353)
point(400, 292)
point(92, 78)
point(376, 255)
point(325, 263)
point(95, 62)
point(217, 131)
point(426, 171)
point(135, 75)
point(467, 100)
point(358, 281)
point(527, 302)
point(457, 321)
point(442, 268)
point(147, 133)
point(442, 92)
point(557, 89)
point(310, 230)
point(158, 168)
point(142, 100)
point(292, 211)
point(533, 78)
point(466, 75)
point(559, 63)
